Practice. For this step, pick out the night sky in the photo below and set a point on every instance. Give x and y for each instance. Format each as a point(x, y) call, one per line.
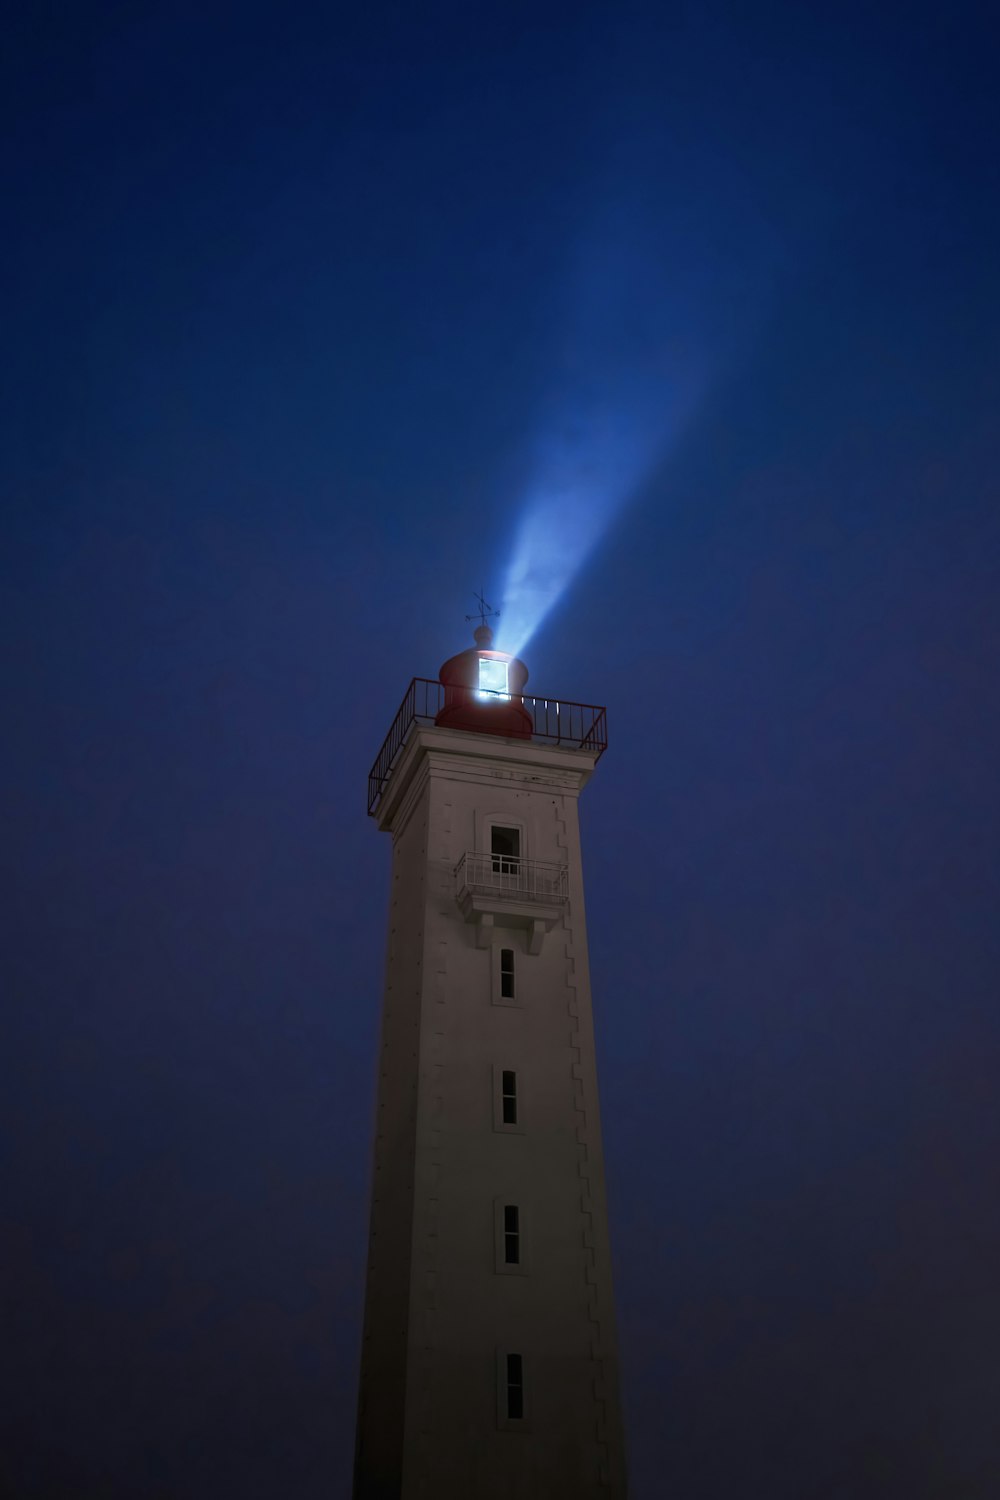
point(311, 313)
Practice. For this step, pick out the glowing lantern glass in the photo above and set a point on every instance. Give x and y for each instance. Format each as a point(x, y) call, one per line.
point(492, 678)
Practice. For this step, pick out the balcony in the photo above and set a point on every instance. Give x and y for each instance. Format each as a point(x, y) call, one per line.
point(554, 721)
point(498, 888)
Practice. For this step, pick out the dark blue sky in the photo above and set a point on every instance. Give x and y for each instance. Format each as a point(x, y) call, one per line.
point(307, 308)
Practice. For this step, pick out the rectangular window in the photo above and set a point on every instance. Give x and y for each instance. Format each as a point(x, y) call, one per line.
point(505, 846)
point(509, 1111)
point(511, 1238)
point(508, 1096)
point(510, 982)
point(492, 678)
point(515, 1387)
point(511, 1235)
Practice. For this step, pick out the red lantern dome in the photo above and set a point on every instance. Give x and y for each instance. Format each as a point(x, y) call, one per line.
point(482, 691)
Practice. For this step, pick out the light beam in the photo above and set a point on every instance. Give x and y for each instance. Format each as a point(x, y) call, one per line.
point(621, 390)
point(583, 481)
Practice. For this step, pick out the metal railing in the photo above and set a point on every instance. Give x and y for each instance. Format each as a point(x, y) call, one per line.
point(506, 878)
point(575, 726)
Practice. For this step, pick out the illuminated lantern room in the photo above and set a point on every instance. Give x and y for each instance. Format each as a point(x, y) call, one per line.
point(482, 691)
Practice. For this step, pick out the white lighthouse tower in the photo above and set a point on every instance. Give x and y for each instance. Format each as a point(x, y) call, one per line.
point(489, 1365)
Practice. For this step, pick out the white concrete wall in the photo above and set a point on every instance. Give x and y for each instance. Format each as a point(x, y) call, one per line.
point(441, 1165)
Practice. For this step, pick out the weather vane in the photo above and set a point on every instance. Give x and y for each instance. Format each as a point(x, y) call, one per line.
point(485, 611)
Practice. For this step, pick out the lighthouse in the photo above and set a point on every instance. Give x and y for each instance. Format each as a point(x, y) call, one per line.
point(489, 1364)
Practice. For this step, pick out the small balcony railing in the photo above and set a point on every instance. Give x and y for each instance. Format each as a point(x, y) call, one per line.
point(574, 726)
point(501, 878)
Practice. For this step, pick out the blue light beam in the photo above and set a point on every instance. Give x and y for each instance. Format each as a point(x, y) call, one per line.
point(622, 388)
point(584, 478)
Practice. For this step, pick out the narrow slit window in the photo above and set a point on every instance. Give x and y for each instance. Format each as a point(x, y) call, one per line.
point(511, 1235)
point(506, 973)
point(505, 846)
point(515, 1387)
point(508, 1096)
